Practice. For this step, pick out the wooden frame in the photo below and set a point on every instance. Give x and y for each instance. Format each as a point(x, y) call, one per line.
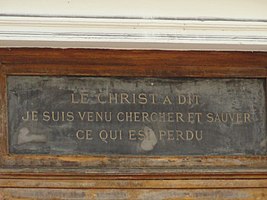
point(126, 172)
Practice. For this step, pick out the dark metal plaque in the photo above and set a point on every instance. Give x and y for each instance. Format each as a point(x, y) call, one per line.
point(136, 116)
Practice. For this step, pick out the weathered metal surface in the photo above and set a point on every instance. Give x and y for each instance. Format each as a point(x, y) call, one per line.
point(145, 116)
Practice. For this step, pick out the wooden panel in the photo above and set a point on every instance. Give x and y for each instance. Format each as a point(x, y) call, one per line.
point(152, 194)
point(128, 63)
point(137, 182)
point(129, 177)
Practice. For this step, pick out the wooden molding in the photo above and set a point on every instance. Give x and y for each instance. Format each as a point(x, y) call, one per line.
point(134, 63)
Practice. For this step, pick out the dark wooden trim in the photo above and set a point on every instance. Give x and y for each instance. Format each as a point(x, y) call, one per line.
point(134, 63)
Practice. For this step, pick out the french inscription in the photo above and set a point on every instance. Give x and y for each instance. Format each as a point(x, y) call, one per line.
point(136, 116)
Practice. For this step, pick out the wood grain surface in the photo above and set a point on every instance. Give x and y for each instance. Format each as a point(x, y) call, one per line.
point(133, 63)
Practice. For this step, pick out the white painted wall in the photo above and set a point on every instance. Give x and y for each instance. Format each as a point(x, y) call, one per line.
point(135, 24)
point(223, 9)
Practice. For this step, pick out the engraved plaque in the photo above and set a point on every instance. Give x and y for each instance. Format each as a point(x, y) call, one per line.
point(136, 116)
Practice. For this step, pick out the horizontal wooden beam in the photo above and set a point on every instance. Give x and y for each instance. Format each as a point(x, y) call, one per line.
point(137, 63)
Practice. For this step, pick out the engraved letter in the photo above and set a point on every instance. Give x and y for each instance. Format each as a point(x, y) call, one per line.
point(73, 99)
point(162, 134)
point(142, 98)
point(27, 116)
point(167, 100)
point(247, 118)
point(84, 98)
point(100, 100)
